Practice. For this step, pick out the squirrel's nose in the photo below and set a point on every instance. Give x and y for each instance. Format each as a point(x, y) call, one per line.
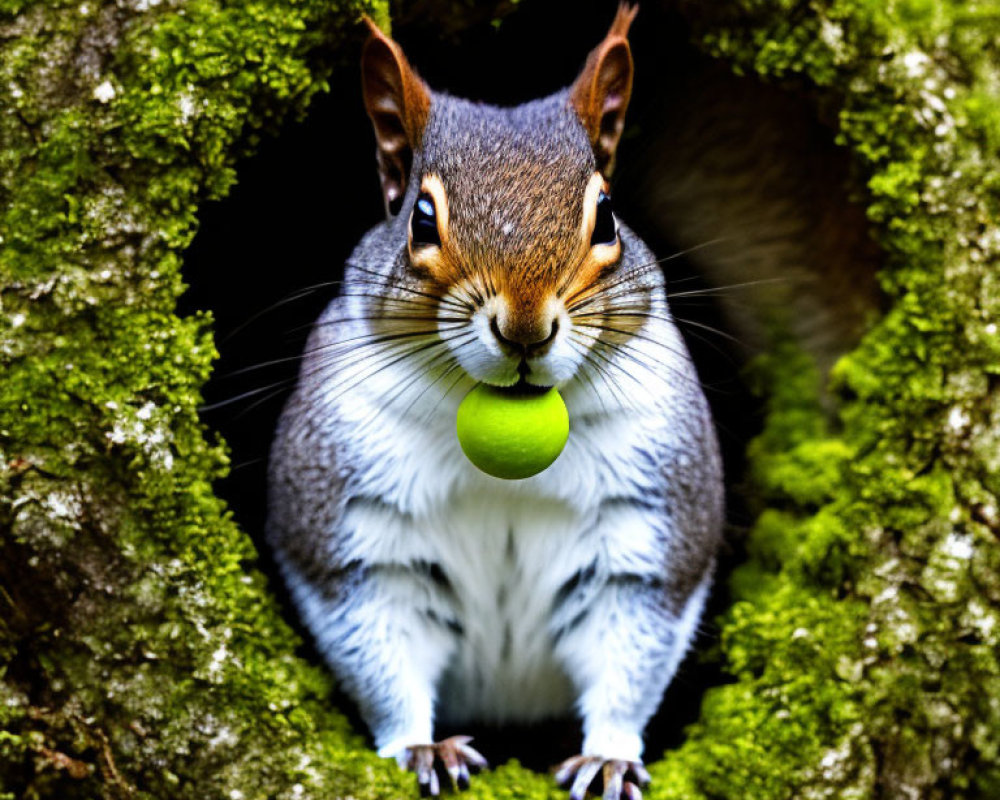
point(525, 339)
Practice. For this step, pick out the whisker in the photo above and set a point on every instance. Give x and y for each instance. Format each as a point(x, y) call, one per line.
point(327, 362)
point(623, 348)
point(351, 342)
point(374, 317)
point(402, 304)
point(383, 282)
point(632, 334)
point(608, 297)
point(440, 377)
point(582, 350)
point(305, 291)
point(650, 266)
point(375, 369)
point(627, 312)
point(686, 279)
point(630, 352)
point(571, 276)
point(710, 329)
point(719, 289)
point(461, 374)
point(631, 274)
point(416, 372)
point(244, 464)
point(694, 249)
point(608, 379)
point(605, 291)
point(420, 298)
point(266, 399)
point(274, 390)
point(476, 285)
point(446, 355)
point(290, 298)
point(438, 341)
point(280, 385)
point(613, 363)
point(724, 354)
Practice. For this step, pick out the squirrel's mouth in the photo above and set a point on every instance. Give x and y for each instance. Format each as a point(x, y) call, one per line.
point(522, 388)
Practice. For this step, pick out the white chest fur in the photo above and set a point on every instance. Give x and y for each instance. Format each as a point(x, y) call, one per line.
point(506, 560)
point(431, 587)
point(506, 547)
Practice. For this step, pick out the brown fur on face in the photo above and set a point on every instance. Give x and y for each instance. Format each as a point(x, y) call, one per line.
point(520, 187)
point(515, 188)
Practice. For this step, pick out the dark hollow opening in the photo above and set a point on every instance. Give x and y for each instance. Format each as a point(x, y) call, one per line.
point(265, 259)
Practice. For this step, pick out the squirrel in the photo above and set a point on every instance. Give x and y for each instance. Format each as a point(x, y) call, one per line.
point(435, 591)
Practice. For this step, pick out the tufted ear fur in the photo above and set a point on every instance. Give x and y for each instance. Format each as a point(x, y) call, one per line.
point(601, 93)
point(398, 102)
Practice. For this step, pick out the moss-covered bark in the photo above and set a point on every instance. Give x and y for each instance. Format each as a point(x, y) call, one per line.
point(140, 656)
point(864, 639)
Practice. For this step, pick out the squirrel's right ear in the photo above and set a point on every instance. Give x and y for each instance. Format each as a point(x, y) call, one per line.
point(398, 102)
point(601, 93)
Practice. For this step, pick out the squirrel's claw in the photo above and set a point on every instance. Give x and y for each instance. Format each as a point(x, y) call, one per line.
point(422, 763)
point(620, 779)
point(455, 756)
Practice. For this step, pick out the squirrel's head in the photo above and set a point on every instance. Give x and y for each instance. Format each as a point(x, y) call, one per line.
point(501, 217)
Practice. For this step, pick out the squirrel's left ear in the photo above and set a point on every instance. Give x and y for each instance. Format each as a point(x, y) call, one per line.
point(398, 102)
point(601, 93)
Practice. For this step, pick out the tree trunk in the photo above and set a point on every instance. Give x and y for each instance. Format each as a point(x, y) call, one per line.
point(141, 654)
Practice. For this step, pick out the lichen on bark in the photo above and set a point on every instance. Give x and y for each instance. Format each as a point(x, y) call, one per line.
point(140, 656)
point(140, 653)
point(863, 640)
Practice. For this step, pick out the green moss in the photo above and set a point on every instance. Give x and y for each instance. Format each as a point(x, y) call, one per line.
point(864, 629)
point(141, 655)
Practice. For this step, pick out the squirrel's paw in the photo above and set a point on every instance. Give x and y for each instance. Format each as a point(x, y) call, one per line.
point(454, 754)
point(620, 779)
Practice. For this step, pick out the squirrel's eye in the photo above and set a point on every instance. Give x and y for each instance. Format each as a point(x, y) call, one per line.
point(423, 222)
point(605, 230)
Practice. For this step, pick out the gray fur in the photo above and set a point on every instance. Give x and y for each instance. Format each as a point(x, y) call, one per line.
point(522, 170)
